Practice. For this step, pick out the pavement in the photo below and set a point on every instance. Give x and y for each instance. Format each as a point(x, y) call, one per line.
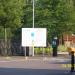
point(18, 65)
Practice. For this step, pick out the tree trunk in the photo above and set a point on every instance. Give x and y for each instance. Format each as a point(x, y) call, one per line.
point(5, 41)
point(62, 40)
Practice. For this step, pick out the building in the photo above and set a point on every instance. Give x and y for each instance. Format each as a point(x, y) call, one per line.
point(69, 39)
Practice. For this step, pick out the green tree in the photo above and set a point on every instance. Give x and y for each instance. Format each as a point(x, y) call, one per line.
point(11, 12)
point(11, 15)
point(56, 15)
point(28, 14)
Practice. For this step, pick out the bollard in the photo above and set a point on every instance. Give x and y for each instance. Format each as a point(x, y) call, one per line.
point(72, 61)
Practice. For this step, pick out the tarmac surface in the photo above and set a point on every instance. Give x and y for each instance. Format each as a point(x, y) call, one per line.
point(35, 65)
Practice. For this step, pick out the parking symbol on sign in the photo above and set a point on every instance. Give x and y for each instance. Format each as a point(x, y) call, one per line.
point(32, 34)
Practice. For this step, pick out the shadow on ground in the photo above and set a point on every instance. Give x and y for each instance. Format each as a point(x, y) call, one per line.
point(19, 71)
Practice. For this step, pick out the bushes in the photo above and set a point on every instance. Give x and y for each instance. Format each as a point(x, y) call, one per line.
point(47, 50)
point(37, 50)
point(62, 48)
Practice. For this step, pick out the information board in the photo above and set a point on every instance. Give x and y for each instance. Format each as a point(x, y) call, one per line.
point(34, 37)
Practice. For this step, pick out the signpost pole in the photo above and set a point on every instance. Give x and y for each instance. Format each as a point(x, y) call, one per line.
point(33, 47)
point(43, 51)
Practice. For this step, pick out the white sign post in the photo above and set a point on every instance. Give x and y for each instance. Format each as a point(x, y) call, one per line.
point(34, 37)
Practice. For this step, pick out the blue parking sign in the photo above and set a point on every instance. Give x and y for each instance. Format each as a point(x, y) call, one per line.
point(32, 34)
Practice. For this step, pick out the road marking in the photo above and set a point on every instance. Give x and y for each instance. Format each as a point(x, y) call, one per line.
point(12, 60)
point(18, 60)
point(9, 59)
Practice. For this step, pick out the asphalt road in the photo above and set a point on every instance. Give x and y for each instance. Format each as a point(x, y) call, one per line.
point(34, 66)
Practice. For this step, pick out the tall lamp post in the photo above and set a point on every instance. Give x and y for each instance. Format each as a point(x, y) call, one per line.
point(33, 13)
point(33, 27)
